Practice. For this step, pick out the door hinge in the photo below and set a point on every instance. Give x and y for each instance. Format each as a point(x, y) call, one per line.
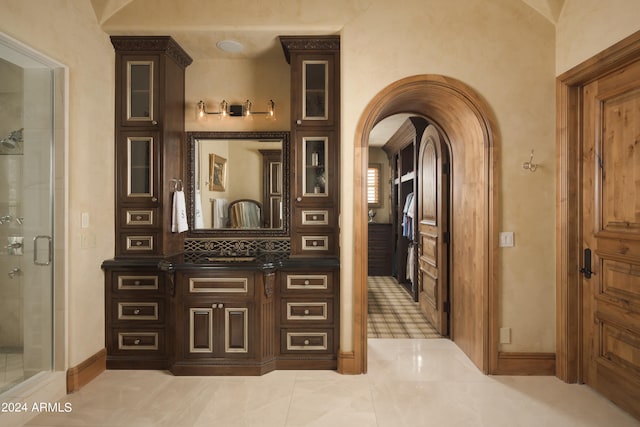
point(446, 307)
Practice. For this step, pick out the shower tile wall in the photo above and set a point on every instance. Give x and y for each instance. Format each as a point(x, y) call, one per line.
point(11, 164)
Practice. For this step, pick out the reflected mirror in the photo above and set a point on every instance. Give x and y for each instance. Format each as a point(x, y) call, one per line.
point(238, 183)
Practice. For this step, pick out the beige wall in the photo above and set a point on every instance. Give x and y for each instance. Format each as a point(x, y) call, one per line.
point(67, 31)
point(503, 50)
point(586, 27)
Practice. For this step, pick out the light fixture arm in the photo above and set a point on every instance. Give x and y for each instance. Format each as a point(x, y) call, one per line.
point(235, 110)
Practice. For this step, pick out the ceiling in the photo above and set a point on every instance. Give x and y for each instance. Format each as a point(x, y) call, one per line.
point(197, 25)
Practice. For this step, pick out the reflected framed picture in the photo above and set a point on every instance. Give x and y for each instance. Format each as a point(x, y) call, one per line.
point(217, 172)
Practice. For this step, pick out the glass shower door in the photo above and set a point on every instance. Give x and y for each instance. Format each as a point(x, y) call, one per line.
point(26, 218)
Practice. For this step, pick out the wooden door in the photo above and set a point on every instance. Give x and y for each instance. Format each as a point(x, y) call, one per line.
point(433, 229)
point(611, 231)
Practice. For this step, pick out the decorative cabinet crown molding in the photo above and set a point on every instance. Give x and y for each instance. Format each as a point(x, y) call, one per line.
point(160, 44)
point(310, 43)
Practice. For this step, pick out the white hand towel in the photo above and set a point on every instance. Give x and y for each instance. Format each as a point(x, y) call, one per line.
point(179, 220)
point(199, 220)
point(220, 214)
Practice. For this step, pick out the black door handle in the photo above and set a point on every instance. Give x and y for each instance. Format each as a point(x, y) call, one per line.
point(586, 269)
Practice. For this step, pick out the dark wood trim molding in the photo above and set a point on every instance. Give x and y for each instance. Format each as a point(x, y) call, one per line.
point(568, 203)
point(80, 375)
point(512, 363)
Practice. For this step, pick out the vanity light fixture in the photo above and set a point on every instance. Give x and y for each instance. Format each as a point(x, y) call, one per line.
point(235, 110)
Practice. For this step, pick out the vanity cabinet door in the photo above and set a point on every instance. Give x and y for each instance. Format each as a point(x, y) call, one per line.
point(315, 80)
point(316, 169)
point(137, 168)
point(218, 329)
point(139, 82)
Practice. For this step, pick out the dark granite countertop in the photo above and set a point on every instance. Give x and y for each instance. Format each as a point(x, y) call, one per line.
point(213, 261)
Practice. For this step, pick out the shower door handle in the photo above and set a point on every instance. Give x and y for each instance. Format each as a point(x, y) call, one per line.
point(36, 259)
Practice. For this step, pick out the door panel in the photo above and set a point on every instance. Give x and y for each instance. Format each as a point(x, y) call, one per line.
point(611, 229)
point(433, 223)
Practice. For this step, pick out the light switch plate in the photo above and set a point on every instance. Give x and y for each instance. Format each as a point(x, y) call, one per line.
point(505, 335)
point(506, 239)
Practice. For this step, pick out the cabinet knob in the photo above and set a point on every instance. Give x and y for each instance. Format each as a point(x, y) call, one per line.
point(137, 341)
point(154, 122)
point(306, 342)
point(306, 311)
point(138, 243)
point(298, 199)
point(315, 243)
point(136, 311)
point(298, 122)
point(154, 199)
point(306, 282)
point(136, 282)
point(138, 217)
point(220, 305)
point(314, 217)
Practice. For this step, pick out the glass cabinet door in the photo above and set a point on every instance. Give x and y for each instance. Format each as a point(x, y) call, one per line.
point(140, 172)
point(139, 92)
point(315, 166)
point(315, 83)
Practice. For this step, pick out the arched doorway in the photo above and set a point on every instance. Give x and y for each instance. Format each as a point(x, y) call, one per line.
point(466, 119)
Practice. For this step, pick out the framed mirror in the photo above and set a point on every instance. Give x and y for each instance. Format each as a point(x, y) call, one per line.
point(238, 183)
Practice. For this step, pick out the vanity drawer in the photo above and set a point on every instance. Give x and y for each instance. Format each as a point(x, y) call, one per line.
point(142, 243)
point(313, 217)
point(127, 341)
point(138, 311)
point(138, 217)
point(306, 311)
point(315, 244)
point(318, 282)
point(137, 283)
point(306, 340)
point(223, 284)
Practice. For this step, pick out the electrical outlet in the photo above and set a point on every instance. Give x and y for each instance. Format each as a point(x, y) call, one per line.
point(505, 335)
point(506, 239)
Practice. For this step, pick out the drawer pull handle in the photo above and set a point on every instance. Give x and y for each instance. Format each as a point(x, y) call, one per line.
point(306, 311)
point(136, 311)
point(306, 342)
point(137, 341)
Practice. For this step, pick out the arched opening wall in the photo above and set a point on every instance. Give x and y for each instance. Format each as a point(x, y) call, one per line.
point(464, 117)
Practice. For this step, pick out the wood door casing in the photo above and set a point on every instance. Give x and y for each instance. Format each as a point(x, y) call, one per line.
point(611, 230)
point(433, 229)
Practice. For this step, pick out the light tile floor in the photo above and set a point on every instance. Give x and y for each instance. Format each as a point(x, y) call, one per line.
point(424, 382)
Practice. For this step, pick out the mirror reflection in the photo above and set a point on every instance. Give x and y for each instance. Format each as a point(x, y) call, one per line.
point(238, 181)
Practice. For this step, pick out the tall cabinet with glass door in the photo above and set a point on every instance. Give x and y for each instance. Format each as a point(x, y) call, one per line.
point(310, 288)
point(149, 124)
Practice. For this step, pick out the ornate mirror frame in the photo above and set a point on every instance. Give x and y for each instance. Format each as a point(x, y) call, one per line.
point(190, 187)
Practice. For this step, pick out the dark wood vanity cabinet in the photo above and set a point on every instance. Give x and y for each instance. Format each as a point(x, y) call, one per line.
point(223, 322)
point(149, 127)
point(308, 318)
point(149, 133)
point(315, 135)
point(136, 316)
